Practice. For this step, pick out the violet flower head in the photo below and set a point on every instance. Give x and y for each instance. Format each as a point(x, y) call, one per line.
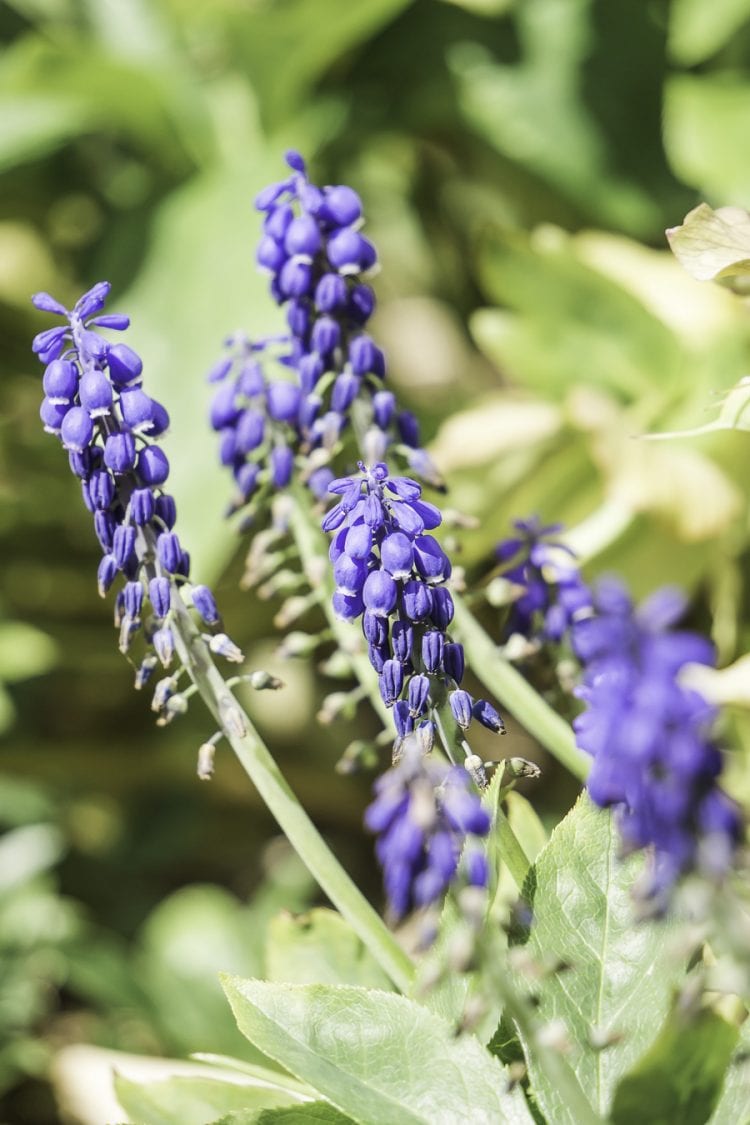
point(655, 758)
point(325, 362)
point(544, 569)
point(429, 821)
point(96, 406)
point(391, 573)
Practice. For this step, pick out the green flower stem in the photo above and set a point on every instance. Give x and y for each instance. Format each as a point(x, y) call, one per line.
point(263, 771)
point(513, 692)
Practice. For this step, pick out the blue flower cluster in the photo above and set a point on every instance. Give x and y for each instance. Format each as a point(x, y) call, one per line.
point(318, 259)
point(552, 590)
point(392, 574)
point(651, 737)
point(95, 404)
point(424, 814)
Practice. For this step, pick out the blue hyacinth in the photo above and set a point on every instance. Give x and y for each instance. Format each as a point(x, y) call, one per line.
point(391, 573)
point(551, 589)
point(318, 260)
point(96, 406)
point(654, 756)
point(429, 821)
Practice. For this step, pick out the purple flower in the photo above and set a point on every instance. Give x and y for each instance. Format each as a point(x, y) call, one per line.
point(378, 554)
point(317, 258)
point(96, 407)
point(655, 758)
point(423, 814)
point(551, 592)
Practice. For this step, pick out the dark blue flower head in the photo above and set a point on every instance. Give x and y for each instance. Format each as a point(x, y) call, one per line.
point(550, 588)
point(96, 406)
point(319, 261)
point(655, 758)
point(391, 573)
point(429, 821)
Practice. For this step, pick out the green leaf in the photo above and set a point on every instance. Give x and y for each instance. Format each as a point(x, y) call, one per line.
point(621, 974)
point(733, 1107)
point(733, 415)
point(697, 30)
point(680, 1077)
point(566, 323)
point(713, 245)
point(308, 38)
point(191, 1101)
point(35, 126)
point(319, 948)
point(705, 131)
point(379, 1057)
point(314, 1113)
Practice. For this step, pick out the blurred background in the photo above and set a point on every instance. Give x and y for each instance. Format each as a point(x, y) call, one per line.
point(519, 162)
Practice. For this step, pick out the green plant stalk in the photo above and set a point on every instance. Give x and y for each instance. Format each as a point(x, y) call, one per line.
point(263, 771)
point(514, 693)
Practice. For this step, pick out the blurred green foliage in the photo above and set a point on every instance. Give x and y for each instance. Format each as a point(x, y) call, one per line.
point(519, 162)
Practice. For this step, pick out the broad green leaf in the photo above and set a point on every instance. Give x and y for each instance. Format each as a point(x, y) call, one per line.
point(532, 109)
point(713, 245)
point(193, 935)
point(705, 129)
point(153, 106)
point(680, 1077)
point(733, 415)
point(319, 948)
point(314, 1113)
point(378, 1057)
point(36, 125)
point(308, 38)
point(566, 323)
point(697, 29)
point(733, 1107)
point(621, 973)
point(191, 1101)
point(260, 1074)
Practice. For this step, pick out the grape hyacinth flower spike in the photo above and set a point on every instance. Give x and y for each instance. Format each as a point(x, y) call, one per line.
point(551, 589)
point(655, 759)
point(391, 573)
point(326, 362)
point(430, 822)
point(96, 406)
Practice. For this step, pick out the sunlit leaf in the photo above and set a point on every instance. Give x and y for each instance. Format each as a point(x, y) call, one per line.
point(616, 990)
point(379, 1057)
point(288, 46)
point(697, 30)
point(191, 1101)
point(713, 245)
point(319, 948)
point(702, 154)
